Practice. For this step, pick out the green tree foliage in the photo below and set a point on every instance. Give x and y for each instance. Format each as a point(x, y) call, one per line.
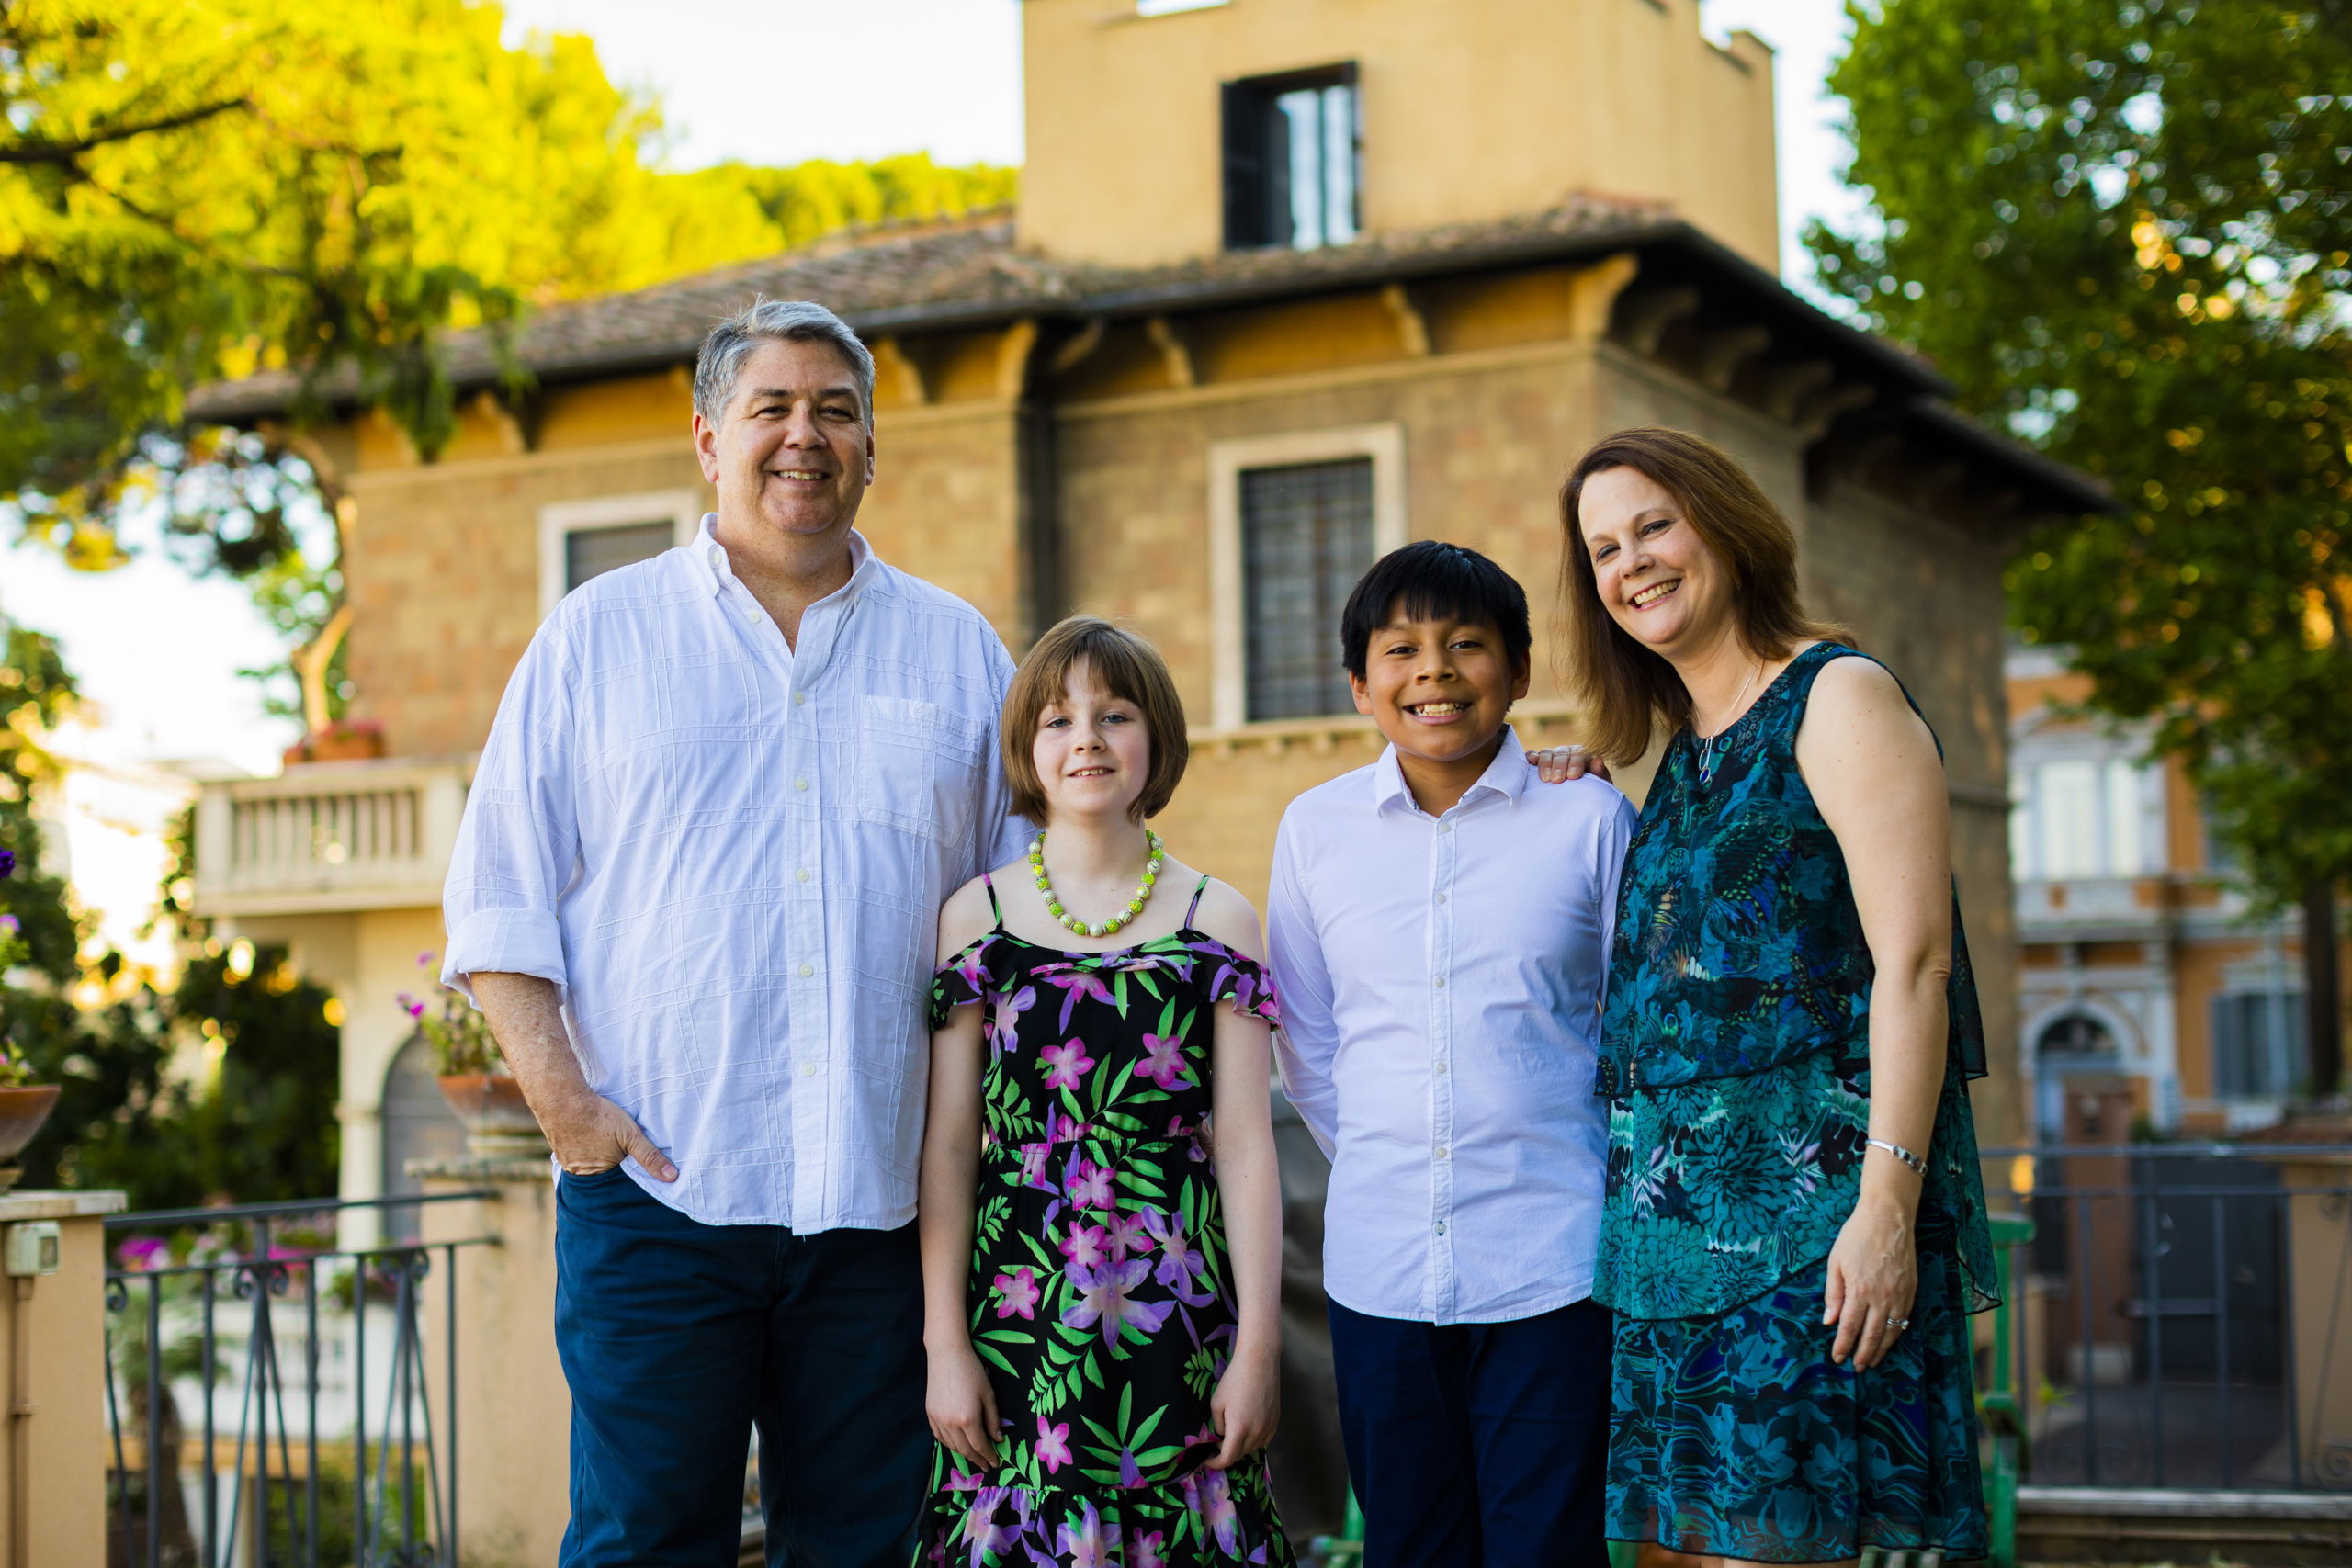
point(223, 1085)
point(2124, 229)
point(191, 190)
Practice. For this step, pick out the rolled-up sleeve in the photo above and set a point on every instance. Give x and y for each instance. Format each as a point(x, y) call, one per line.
point(518, 843)
point(1308, 1038)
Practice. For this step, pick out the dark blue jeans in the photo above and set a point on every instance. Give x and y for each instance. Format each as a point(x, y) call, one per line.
point(1477, 1445)
point(678, 1337)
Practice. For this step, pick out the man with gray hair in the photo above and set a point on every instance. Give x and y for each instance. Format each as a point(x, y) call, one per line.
point(695, 893)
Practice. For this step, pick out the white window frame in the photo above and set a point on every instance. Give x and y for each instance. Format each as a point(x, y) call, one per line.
point(560, 519)
point(1229, 653)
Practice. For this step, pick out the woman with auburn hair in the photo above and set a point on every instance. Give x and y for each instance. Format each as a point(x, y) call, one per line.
point(1794, 1229)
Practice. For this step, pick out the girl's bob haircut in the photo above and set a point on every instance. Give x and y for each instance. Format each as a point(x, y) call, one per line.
point(1626, 688)
point(1122, 665)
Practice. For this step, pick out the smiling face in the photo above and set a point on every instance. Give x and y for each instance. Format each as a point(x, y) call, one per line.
point(1440, 688)
point(793, 451)
point(1092, 750)
point(1654, 575)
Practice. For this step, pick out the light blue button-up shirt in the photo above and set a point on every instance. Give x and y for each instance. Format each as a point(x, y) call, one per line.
point(730, 857)
point(1441, 981)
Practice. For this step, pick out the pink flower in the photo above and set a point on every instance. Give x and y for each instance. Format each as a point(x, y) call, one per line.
point(1208, 1494)
point(1163, 1060)
point(142, 1253)
point(1144, 1551)
point(1206, 1437)
point(1020, 1292)
point(1075, 985)
point(1125, 1232)
point(1065, 1131)
point(1084, 1245)
point(1053, 1445)
point(1105, 1298)
point(980, 1529)
point(1130, 1472)
point(424, 959)
point(1090, 1185)
point(1035, 1159)
point(1068, 1062)
point(961, 1480)
point(1082, 1541)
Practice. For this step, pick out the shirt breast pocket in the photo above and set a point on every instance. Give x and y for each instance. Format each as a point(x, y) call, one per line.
point(921, 768)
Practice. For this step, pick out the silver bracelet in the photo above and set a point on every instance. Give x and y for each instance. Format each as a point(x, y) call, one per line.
point(1917, 1165)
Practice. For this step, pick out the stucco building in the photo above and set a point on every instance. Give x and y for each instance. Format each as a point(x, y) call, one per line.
point(2151, 994)
point(1291, 283)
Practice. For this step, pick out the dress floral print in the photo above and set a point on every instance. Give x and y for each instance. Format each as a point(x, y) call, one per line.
point(1736, 1058)
point(1101, 1289)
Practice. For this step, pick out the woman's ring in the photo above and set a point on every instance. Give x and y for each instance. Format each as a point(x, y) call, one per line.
point(1898, 1324)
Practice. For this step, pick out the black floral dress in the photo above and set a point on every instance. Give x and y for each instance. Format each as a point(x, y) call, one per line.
point(1101, 1292)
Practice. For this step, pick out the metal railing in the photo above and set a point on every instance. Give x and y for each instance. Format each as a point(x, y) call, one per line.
point(2179, 1316)
point(301, 1374)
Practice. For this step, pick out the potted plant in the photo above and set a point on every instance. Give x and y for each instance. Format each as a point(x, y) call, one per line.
point(472, 1075)
point(24, 1105)
point(340, 740)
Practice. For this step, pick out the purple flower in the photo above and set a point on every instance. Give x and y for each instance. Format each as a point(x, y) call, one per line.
point(1104, 1297)
point(1179, 1261)
point(1067, 1062)
point(980, 1529)
point(1130, 1472)
point(1163, 1060)
point(1090, 1185)
point(143, 1253)
point(1209, 1496)
point(1076, 984)
point(1020, 1292)
point(9, 924)
point(1053, 1445)
point(7, 864)
point(1082, 1542)
point(1004, 1016)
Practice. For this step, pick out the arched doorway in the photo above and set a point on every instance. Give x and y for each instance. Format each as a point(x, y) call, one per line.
point(416, 1124)
point(2072, 1045)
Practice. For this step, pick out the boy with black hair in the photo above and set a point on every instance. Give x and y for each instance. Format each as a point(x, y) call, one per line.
point(1440, 925)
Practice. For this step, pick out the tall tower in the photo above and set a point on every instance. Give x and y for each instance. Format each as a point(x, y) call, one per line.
point(1165, 130)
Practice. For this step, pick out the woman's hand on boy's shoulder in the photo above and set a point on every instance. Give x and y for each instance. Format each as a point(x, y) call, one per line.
point(1558, 764)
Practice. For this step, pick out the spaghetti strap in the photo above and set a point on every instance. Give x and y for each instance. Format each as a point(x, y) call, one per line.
point(1195, 908)
point(994, 908)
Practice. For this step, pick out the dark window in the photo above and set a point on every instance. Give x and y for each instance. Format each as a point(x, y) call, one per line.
point(1294, 160)
point(1305, 537)
point(2258, 1044)
point(592, 552)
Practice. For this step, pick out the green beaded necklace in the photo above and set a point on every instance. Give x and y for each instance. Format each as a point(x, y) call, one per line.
point(1096, 928)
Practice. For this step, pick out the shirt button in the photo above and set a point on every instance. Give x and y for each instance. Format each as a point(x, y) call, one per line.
point(1441, 898)
point(808, 1069)
point(1441, 1069)
point(798, 698)
point(1439, 982)
point(718, 557)
point(1441, 1151)
point(1445, 827)
point(800, 784)
point(805, 971)
point(1441, 1227)
point(800, 875)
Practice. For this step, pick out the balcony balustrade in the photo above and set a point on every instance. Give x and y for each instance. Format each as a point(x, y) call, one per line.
point(329, 837)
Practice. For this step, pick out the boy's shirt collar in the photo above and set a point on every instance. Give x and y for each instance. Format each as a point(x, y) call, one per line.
point(1506, 775)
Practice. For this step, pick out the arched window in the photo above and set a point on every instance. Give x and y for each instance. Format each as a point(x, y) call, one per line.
point(2073, 1045)
point(416, 1124)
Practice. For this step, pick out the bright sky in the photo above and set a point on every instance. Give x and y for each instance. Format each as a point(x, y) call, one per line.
point(159, 653)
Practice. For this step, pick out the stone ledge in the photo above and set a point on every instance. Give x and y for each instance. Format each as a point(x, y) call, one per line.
point(2170, 1503)
point(518, 1168)
point(41, 1205)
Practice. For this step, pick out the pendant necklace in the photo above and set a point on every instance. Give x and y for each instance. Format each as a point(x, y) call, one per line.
point(1706, 743)
point(1095, 927)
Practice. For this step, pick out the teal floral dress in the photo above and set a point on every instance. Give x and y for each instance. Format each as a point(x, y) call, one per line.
point(1101, 1292)
point(1735, 1057)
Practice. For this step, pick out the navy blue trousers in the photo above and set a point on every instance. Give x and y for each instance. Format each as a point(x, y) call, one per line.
point(1478, 1445)
point(678, 1337)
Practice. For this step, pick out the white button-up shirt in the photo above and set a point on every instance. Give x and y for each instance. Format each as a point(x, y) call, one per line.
point(730, 857)
point(1441, 981)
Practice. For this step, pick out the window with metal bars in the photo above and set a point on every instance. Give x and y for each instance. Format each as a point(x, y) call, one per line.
point(1294, 160)
point(1307, 535)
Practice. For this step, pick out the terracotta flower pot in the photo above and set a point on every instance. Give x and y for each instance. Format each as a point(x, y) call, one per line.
point(22, 1111)
point(346, 740)
point(497, 1119)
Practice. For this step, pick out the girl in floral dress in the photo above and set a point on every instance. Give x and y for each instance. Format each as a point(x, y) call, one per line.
point(1101, 1293)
